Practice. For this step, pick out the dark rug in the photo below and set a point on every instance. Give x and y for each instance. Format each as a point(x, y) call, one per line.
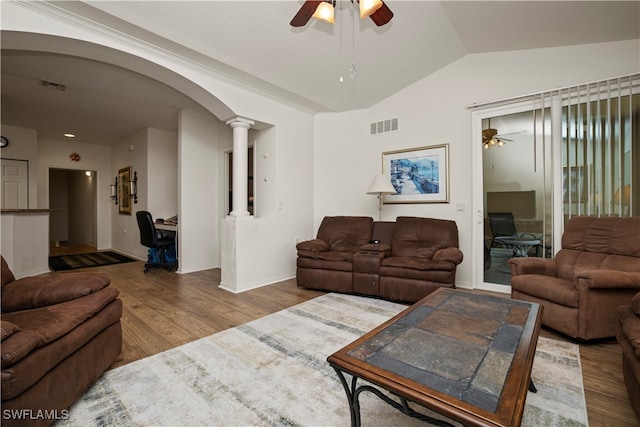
point(93, 259)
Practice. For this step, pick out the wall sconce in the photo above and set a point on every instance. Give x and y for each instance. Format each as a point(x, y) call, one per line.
point(114, 191)
point(133, 187)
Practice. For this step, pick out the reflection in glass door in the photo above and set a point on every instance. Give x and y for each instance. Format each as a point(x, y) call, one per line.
point(516, 191)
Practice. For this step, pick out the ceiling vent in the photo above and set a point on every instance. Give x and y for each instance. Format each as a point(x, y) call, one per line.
point(52, 85)
point(389, 125)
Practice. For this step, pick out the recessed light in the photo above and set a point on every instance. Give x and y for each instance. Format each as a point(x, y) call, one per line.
point(69, 135)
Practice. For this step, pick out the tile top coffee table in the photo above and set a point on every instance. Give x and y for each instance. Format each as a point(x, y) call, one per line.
point(465, 355)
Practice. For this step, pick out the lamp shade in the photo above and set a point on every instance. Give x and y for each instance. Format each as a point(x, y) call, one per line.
point(381, 185)
point(325, 12)
point(368, 7)
point(623, 195)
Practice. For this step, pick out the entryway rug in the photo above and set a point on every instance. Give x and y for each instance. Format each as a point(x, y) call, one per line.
point(273, 372)
point(92, 259)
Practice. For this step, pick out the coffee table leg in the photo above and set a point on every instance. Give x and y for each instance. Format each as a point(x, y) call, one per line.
point(353, 394)
point(352, 397)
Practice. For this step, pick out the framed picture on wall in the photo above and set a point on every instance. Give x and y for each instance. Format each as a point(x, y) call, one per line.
point(419, 175)
point(124, 205)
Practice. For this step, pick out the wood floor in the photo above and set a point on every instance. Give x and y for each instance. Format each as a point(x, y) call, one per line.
point(163, 310)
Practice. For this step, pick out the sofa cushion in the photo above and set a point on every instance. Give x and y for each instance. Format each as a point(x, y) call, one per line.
point(607, 235)
point(344, 233)
point(40, 326)
point(7, 329)
point(416, 263)
point(422, 237)
point(39, 291)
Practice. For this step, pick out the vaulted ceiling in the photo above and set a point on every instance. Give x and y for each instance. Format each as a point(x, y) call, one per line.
point(252, 43)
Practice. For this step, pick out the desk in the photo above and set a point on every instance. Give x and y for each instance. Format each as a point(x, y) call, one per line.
point(171, 228)
point(464, 355)
point(520, 245)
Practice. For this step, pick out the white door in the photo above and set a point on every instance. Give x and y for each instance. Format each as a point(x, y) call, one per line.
point(15, 184)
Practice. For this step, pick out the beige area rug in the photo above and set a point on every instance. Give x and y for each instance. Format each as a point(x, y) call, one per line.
point(273, 372)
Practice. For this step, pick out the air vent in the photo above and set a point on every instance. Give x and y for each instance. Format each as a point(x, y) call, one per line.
point(52, 85)
point(389, 125)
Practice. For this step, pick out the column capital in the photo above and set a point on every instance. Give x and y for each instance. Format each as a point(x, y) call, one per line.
point(240, 122)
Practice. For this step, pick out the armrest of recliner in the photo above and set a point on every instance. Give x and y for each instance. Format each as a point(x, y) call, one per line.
point(313, 245)
point(612, 279)
point(453, 255)
point(40, 291)
point(377, 247)
point(526, 265)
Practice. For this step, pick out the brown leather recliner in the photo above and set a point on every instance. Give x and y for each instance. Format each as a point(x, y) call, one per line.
point(597, 270)
point(326, 262)
point(60, 332)
point(424, 256)
point(628, 335)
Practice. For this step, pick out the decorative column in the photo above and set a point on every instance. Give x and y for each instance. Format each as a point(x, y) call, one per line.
point(240, 199)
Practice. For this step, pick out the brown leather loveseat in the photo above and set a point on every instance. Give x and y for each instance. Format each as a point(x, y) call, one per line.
point(597, 270)
point(628, 335)
point(403, 260)
point(60, 332)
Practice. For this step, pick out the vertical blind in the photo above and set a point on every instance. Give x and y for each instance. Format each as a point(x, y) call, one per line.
point(600, 146)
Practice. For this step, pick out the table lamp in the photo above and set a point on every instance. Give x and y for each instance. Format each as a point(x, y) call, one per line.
point(380, 186)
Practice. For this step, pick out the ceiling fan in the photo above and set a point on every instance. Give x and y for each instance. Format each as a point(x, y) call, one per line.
point(379, 12)
point(490, 138)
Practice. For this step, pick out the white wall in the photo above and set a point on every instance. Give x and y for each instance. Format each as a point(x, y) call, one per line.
point(435, 111)
point(200, 190)
point(160, 186)
point(131, 151)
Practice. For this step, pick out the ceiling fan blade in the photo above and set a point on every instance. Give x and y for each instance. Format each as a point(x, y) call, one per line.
point(305, 13)
point(382, 15)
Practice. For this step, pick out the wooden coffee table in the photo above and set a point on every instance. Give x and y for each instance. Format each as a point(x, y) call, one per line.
point(464, 355)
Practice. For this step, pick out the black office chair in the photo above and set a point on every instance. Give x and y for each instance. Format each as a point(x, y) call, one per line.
point(155, 239)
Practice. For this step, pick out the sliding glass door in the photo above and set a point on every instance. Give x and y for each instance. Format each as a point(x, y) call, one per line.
point(541, 159)
point(515, 214)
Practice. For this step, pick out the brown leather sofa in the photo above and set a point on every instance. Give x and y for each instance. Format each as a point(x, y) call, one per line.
point(60, 332)
point(403, 260)
point(597, 270)
point(628, 335)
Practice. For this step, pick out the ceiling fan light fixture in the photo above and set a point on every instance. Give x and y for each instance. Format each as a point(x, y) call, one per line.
point(368, 7)
point(325, 12)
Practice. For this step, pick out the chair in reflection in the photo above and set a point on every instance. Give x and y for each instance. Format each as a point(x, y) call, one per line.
point(505, 234)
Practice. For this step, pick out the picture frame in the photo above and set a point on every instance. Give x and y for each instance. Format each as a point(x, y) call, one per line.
point(124, 198)
point(419, 175)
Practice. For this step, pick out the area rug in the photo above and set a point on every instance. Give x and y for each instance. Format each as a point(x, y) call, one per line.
point(273, 372)
point(91, 259)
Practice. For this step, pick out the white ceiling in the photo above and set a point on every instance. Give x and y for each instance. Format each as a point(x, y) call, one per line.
point(252, 42)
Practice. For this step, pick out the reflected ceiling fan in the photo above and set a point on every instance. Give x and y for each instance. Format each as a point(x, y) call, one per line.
point(379, 12)
point(491, 138)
